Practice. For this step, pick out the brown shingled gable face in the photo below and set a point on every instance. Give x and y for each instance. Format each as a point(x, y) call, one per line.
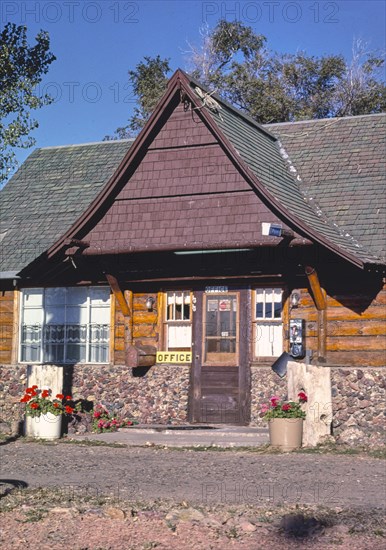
point(185, 193)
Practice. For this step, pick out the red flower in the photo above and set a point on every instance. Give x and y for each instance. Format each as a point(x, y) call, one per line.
point(33, 393)
point(45, 393)
point(56, 405)
point(97, 414)
point(274, 401)
point(35, 387)
point(34, 406)
point(68, 409)
point(286, 407)
point(30, 390)
point(302, 396)
point(68, 398)
point(59, 396)
point(25, 399)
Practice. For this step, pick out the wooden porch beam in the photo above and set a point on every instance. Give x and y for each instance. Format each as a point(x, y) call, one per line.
point(114, 285)
point(319, 296)
point(317, 291)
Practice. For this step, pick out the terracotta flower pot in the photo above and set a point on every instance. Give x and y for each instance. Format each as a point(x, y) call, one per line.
point(286, 433)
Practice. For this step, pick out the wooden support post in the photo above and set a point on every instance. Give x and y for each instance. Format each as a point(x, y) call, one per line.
point(322, 334)
point(320, 300)
point(124, 306)
point(317, 291)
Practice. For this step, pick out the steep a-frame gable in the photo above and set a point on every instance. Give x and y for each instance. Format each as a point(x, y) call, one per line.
point(185, 194)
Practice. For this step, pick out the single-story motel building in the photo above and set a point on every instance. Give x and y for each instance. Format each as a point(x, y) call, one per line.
point(163, 276)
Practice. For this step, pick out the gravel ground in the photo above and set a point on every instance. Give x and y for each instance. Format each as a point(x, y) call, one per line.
point(99, 498)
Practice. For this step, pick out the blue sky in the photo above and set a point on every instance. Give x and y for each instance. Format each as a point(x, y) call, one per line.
point(97, 42)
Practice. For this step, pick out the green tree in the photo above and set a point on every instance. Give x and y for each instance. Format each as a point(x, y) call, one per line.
point(235, 62)
point(21, 70)
point(148, 81)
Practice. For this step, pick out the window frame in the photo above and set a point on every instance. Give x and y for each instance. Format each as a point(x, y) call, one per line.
point(279, 321)
point(43, 324)
point(172, 322)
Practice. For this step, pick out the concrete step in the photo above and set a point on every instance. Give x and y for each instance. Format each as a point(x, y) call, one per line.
point(184, 436)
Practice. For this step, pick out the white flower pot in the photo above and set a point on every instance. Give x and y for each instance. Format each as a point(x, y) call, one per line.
point(45, 426)
point(286, 433)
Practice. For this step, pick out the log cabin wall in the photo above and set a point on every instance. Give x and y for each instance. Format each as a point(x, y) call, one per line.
point(145, 324)
point(356, 327)
point(7, 326)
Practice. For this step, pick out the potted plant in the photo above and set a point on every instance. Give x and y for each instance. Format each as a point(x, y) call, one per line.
point(285, 422)
point(44, 413)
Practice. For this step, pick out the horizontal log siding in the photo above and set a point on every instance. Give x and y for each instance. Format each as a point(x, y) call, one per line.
point(7, 323)
point(356, 327)
point(144, 326)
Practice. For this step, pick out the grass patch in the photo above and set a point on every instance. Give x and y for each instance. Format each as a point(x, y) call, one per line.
point(332, 448)
point(92, 443)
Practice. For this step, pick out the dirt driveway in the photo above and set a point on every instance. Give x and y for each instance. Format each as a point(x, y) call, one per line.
point(228, 499)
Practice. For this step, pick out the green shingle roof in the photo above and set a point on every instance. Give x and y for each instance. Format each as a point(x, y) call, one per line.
point(48, 194)
point(343, 167)
point(287, 174)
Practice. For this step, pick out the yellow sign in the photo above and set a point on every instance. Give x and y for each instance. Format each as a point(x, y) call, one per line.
point(174, 357)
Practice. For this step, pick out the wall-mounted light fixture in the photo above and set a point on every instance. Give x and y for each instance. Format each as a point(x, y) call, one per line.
point(295, 299)
point(150, 301)
point(276, 230)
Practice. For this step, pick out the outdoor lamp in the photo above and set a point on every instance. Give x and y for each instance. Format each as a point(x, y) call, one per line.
point(150, 303)
point(295, 299)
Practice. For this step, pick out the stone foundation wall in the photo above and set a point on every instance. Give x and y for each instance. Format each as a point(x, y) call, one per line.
point(159, 395)
point(13, 382)
point(358, 403)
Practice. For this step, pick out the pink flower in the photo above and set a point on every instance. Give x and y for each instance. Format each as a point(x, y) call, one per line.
point(264, 408)
point(302, 396)
point(286, 407)
point(274, 401)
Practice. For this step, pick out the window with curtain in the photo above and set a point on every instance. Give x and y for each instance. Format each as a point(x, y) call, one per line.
point(268, 325)
point(65, 325)
point(178, 324)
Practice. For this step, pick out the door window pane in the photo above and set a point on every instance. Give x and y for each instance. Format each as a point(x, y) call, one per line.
point(220, 332)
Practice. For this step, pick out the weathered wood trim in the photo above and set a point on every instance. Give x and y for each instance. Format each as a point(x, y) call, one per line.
point(195, 373)
point(129, 323)
point(319, 296)
point(16, 327)
point(112, 328)
point(286, 318)
point(160, 320)
point(244, 304)
point(322, 334)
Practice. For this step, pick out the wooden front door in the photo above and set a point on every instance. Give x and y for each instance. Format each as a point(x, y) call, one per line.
point(220, 354)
